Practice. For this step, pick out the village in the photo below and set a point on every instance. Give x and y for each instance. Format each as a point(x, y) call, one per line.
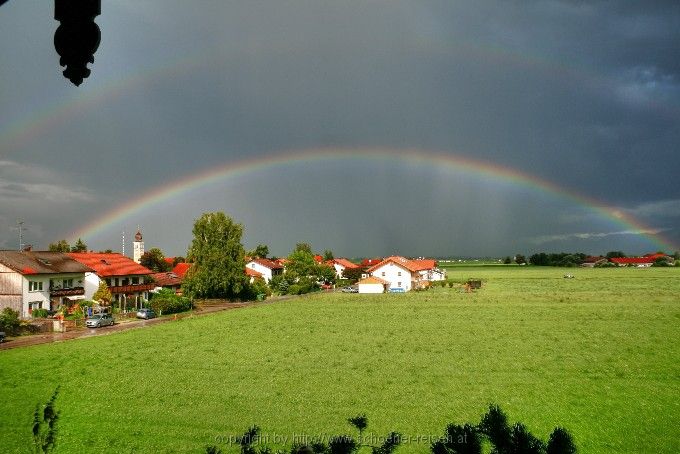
point(49, 283)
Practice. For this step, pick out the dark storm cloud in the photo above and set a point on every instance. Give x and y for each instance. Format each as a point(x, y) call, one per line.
point(582, 93)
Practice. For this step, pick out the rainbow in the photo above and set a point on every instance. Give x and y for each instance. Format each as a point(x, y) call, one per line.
point(415, 157)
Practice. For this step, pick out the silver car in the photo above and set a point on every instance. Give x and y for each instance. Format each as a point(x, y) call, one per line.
point(99, 320)
point(146, 313)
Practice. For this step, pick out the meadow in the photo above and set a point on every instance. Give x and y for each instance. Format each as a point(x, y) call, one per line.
point(598, 354)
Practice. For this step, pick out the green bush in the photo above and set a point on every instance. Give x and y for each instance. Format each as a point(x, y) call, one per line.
point(166, 301)
point(9, 321)
point(77, 315)
point(258, 287)
point(39, 313)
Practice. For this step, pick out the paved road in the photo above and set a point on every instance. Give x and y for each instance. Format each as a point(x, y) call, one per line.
point(25, 341)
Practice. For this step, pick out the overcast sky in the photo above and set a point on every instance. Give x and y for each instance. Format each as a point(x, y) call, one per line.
point(583, 94)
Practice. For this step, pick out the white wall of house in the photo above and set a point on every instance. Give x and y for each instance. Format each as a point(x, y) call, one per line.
point(263, 270)
point(396, 275)
point(371, 288)
point(339, 269)
point(35, 293)
point(36, 290)
point(91, 285)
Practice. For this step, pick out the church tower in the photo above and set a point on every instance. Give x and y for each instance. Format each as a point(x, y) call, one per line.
point(137, 247)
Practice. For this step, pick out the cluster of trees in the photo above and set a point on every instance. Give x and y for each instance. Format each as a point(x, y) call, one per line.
point(567, 259)
point(493, 429)
point(64, 246)
point(303, 273)
point(519, 259)
point(154, 259)
point(558, 259)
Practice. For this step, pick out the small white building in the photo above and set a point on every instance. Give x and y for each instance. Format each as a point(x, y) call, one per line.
point(39, 280)
point(372, 284)
point(267, 268)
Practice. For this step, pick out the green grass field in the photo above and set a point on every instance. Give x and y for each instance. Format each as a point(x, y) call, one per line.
point(598, 354)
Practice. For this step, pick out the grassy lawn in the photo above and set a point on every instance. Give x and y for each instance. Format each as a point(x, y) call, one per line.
point(598, 354)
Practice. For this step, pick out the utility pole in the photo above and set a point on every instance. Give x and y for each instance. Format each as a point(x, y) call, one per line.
point(20, 223)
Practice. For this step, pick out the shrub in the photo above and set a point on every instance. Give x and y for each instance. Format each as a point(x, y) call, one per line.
point(560, 442)
point(44, 426)
point(165, 301)
point(458, 440)
point(9, 321)
point(39, 313)
point(258, 287)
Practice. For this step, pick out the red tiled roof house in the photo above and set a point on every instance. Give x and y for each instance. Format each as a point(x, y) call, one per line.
point(267, 268)
point(126, 279)
point(404, 274)
point(340, 265)
point(39, 280)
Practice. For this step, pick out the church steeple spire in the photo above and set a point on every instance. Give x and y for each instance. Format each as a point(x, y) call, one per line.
point(138, 246)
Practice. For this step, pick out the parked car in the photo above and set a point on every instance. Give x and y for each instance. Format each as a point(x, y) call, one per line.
point(146, 313)
point(350, 289)
point(2, 337)
point(99, 320)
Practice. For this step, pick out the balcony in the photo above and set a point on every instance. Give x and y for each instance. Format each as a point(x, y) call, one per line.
point(72, 291)
point(127, 289)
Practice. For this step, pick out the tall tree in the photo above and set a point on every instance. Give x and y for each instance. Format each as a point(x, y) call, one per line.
point(218, 258)
point(154, 259)
point(520, 259)
point(80, 246)
point(60, 246)
point(261, 251)
point(103, 294)
point(328, 255)
point(305, 247)
point(301, 261)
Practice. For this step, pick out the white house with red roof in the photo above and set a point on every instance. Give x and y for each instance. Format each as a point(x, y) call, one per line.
point(404, 274)
point(340, 265)
point(39, 280)
point(267, 268)
point(128, 281)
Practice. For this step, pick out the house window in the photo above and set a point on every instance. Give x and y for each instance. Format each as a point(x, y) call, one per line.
point(398, 284)
point(399, 273)
point(35, 286)
point(67, 283)
point(383, 273)
point(135, 280)
point(125, 281)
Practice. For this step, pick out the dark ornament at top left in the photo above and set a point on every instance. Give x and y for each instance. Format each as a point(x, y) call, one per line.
point(77, 37)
